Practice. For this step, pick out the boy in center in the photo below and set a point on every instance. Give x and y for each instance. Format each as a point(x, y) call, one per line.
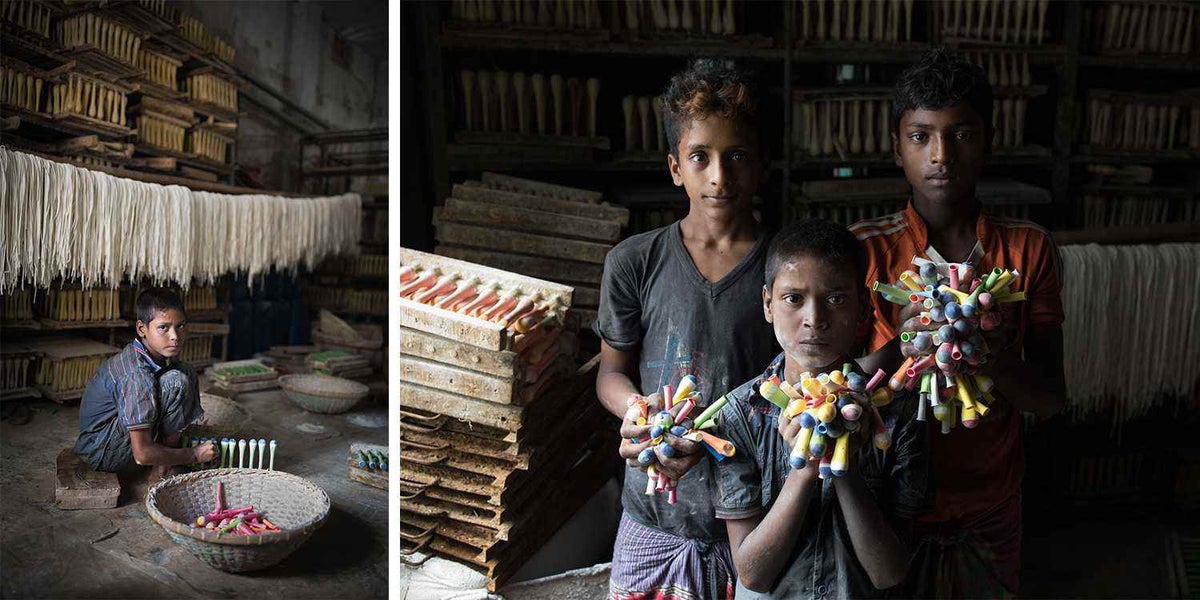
point(792, 534)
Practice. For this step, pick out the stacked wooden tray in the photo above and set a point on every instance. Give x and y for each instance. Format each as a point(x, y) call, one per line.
point(339, 363)
point(18, 306)
point(367, 341)
point(244, 376)
point(15, 362)
point(847, 201)
point(538, 229)
point(66, 364)
point(67, 307)
point(502, 437)
point(374, 477)
point(1137, 122)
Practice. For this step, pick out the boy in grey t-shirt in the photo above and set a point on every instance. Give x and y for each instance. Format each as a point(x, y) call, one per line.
point(686, 299)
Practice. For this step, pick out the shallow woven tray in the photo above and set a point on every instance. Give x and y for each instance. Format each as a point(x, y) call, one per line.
point(222, 414)
point(323, 393)
point(294, 504)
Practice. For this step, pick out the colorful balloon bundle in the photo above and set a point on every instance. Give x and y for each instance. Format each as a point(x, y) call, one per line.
point(830, 407)
point(679, 424)
point(948, 358)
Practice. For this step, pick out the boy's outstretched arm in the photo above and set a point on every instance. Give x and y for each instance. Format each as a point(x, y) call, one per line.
point(876, 545)
point(148, 452)
point(762, 545)
point(1035, 384)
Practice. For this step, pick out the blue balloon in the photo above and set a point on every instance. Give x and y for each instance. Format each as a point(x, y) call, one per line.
point(953, 310)
point(946, 333)
point(963, 327)
point(646, 457)
point(667, 450)
point(834, 430)
point(807, 420)
point(856, 382)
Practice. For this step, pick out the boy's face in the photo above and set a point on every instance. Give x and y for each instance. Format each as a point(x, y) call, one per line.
point(942, 152)
point(815, 307)
point(163, 336)
point(719, 163)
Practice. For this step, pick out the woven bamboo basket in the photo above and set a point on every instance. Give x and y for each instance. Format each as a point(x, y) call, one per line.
point(323, 393)
point(222, 416)
point(294, 504)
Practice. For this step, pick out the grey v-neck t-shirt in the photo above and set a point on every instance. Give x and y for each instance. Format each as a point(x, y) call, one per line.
point(655, 302)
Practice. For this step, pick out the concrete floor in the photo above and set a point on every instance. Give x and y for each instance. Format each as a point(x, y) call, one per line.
point(121, 553)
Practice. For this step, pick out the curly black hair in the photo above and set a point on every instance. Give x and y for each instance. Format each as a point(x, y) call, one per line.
point(824, 240)
point(709, 86)
point(940, 79)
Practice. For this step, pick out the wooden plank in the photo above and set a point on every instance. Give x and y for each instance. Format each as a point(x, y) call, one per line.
point(162, 163)
point(501, 363)
point(176, 110)
point(509, 280)
point(565, 271)
point(63, 348)
point(52, 324)
point(25, 392)
point(76, 144)
point(540, 188)
point(501, 416)
point(475, 190)
point(78, 485)
point(451, 325)
point(471, 212)
point(586, 317)
point(208, 328)
point(468, 443)
point(526, 243)
point(377, 478)
point(199, 174)
point(587, 296)
point(456, 380)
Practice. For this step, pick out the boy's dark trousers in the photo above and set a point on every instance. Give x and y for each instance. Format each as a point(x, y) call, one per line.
point(177, 393)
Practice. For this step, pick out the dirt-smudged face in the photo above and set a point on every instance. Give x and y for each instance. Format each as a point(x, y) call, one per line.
point(942, 152)
point(719, 163)
point(164, 335)
point(815, 306)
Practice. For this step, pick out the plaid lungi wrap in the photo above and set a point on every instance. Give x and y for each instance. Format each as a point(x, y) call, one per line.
point(649, 564)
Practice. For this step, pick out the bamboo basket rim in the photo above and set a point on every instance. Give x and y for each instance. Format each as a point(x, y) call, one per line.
point(312, 384)
point(229, 539)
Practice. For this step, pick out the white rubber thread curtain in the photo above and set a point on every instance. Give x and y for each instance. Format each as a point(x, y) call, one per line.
point(1132, 321)
point(62, 221)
